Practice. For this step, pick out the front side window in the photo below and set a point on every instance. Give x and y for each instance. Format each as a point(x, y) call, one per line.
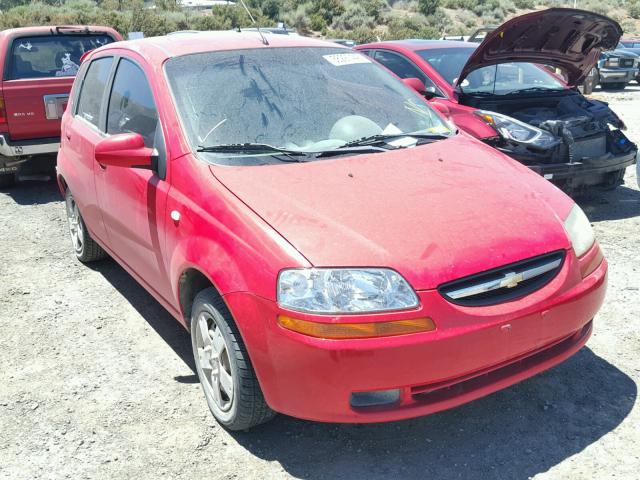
point(45, 56)
point(92, 90)
point(131, 105)
point(303, 99)
point(402, 67)
point(495, 79)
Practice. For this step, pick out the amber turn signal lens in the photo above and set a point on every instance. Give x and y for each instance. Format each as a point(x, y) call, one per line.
point(588, 268)
point(356, 330)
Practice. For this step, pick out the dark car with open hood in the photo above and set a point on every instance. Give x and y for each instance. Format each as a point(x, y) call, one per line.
point(500, 92)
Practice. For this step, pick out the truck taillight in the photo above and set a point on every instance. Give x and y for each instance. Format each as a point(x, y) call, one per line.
point(3, 112)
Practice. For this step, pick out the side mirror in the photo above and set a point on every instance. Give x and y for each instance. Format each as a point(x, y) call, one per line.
point(124, 150)
point(442, 108)
point(415, 84)
point(418, 85)
point(430, 93)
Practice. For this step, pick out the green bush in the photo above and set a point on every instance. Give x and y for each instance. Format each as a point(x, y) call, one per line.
point(428, 7)
point(354, 16)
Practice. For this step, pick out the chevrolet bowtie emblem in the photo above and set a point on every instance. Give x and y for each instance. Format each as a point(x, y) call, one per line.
point(511, 280)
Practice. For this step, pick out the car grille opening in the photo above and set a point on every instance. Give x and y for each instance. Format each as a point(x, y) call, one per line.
point(626, 62)
point(504, 284)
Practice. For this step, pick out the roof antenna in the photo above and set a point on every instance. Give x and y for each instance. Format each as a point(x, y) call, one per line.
point(253, 20)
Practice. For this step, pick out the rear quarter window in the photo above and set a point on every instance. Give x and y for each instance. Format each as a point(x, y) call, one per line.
point(45, 56)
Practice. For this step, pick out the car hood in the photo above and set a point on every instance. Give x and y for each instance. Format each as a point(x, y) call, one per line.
point(434, 213)
point(566, 38)
point(620, 53)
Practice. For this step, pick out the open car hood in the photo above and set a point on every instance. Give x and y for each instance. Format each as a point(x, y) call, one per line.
point(566, 38)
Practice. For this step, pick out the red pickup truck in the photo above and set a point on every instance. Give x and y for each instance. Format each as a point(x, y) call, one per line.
point(38, 66)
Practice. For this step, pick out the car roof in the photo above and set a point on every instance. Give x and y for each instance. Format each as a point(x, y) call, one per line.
point(418, 44)
point(158, 49)
point(64, 29)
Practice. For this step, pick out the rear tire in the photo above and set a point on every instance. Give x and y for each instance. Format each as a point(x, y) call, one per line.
point(85, 247)
point(7, 180)
point(227, 377)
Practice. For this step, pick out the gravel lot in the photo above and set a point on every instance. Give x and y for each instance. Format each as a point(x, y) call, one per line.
point(97, 380)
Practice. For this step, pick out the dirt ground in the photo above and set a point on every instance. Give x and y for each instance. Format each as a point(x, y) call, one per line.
point(97, 380)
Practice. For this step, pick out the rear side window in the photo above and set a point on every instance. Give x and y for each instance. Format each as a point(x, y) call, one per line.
point(131, 106)
point(93, 88)
point(50, 55)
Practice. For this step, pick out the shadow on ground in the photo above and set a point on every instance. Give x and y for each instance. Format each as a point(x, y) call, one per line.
point(618, 204)
point(515, 433)
point(155, 314)
point(33, 192)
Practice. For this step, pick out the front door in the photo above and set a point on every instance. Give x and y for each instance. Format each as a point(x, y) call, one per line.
point(132, 200)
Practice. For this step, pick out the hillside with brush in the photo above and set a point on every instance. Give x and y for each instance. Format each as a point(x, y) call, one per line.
point(362, 21)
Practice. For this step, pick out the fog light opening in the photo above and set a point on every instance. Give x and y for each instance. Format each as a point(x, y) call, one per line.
point(375, 399)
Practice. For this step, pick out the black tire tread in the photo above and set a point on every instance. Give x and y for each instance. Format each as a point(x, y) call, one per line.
point(252, 409)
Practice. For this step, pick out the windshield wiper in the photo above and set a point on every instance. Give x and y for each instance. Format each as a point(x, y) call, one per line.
point(534, 90)
point(386, 138)
point(351, 150)
point(255, 148)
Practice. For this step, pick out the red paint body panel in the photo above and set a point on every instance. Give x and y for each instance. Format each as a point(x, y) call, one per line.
point(408, 211)
point(434, 213)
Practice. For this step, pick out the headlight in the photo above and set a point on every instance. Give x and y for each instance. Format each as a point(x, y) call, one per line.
point(579, 230)
point(517, 131)
point(344, 290)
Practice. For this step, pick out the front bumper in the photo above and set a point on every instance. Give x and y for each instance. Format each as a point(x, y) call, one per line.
point(474, 351)
point(617, 75)
point(585, 172)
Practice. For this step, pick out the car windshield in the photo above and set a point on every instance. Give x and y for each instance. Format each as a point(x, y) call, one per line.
point(499, 79)
point(295, 99)
point(51, 55)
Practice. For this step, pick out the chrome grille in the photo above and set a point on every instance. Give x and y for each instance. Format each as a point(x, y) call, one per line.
point(504, 284)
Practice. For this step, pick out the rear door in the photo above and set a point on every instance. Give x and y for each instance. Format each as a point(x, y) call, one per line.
point(38, 73)
point(83, 129)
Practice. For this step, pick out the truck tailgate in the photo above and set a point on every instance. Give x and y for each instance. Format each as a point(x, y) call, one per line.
point(28, 114)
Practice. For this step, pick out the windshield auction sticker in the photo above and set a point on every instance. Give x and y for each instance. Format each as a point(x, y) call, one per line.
point(342, 59)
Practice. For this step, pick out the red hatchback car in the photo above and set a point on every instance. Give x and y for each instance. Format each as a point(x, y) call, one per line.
point(338, 251)
point(500, 93)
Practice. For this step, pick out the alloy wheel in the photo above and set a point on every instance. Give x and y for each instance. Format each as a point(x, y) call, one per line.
point(212, 356)
point(76, 229)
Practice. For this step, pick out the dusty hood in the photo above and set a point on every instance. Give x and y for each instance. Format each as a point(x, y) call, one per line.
point(434, 213)
point(563, 37)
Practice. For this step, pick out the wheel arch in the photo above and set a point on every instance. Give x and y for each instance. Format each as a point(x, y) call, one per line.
point(62, 183)
point(191, 282)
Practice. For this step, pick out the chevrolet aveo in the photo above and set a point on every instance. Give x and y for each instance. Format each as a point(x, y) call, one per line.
point(338, 251)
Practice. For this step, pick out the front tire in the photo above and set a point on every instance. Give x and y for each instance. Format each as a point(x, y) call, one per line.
point(85, 247)
point(227, 377)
